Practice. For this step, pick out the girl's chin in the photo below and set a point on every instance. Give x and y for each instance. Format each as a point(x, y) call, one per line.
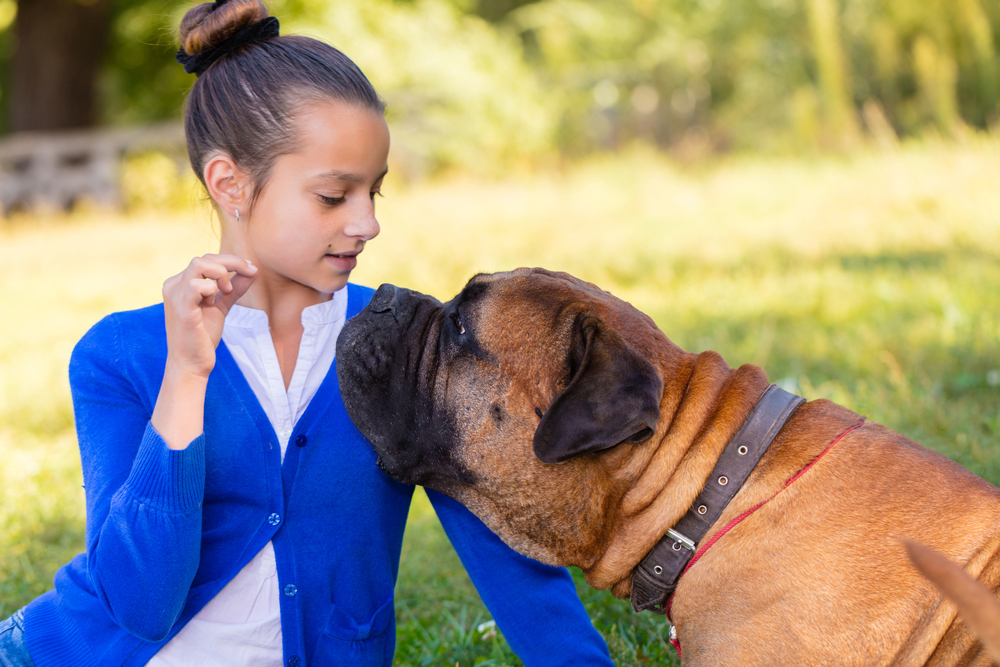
point(336, 283)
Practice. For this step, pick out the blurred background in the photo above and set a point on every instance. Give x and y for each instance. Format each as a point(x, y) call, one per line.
point(487, 84)
point(812, 186)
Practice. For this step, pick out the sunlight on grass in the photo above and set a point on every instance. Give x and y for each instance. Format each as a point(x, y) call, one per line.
point(872, 280)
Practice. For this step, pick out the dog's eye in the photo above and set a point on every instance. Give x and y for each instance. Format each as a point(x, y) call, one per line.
point(458, 323)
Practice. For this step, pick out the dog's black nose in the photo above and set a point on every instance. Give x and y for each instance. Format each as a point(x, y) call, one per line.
point(384, 300)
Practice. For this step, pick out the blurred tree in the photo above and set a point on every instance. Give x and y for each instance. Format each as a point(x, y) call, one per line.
point(931, 64)
point(8, 12)
point(497, 10)
point(488, 82)
point(59, 50)
point(832, 77)
point(458, 91)
point(141, 80)
point(77, 63)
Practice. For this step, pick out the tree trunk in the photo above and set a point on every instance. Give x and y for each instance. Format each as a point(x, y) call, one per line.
point(835, 93)
point(59, 47)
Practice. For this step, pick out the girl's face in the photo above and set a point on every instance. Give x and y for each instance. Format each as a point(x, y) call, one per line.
point(313, 216)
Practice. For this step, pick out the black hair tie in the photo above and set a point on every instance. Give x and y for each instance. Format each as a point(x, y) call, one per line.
point(256, 32)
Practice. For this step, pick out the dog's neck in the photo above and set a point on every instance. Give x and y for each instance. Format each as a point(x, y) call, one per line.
point(705, 402)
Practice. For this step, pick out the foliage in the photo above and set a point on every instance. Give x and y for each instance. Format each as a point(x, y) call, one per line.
point(458, 91)
point(872, 280)
point(142, 81)
point(482, 85)
point(752, 72)
point(8, 12)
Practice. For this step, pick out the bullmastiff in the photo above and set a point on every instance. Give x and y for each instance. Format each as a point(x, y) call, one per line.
point(569, 423)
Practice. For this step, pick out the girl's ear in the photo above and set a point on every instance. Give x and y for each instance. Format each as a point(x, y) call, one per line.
point(226, 184)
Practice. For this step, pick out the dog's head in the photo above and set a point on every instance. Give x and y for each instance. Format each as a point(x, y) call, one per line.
point(527, 397)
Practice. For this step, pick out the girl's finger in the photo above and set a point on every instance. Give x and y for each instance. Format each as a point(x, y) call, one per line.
point(219, 268)
point(201, 290)
point(206, 268)
point(233, 264)
point(240, 286)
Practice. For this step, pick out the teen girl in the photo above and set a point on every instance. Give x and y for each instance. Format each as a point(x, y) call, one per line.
point(235, 517)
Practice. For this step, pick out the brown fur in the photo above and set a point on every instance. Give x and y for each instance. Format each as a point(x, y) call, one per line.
point(817, 576)
point(978, 606)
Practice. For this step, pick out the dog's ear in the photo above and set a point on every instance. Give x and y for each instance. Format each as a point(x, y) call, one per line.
point(613, 396)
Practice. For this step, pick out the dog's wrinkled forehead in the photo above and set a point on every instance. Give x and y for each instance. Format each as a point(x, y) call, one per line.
point(540, 306)
point(522, 316)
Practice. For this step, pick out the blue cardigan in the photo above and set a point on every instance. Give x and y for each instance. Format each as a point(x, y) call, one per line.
point(167, 529)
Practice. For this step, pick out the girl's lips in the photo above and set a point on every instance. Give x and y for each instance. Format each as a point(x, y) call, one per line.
point(345, 262)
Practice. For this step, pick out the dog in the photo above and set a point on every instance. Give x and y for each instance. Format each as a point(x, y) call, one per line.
point(978, 606)
point(572, 427)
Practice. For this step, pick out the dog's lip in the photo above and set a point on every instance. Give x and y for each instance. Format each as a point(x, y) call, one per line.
point(384, 461)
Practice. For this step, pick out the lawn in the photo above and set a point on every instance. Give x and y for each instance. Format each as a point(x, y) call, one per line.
point(871, 279)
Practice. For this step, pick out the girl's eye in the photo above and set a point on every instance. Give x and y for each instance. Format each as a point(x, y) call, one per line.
point(330, 201)
point(376, 192)
point(458, 322)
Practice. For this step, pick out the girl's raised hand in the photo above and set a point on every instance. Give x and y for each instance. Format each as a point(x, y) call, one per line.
point(196, 302)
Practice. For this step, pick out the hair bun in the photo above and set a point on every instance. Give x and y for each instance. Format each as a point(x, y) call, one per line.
point(208, 25)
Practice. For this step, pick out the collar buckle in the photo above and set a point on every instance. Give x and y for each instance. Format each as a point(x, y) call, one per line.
point(678, 538)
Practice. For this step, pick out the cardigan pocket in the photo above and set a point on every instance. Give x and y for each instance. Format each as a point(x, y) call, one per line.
point(345, 641)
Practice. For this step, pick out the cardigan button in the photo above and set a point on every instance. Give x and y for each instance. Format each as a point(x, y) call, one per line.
point(294, 661)
point(274, 519)
point(291, 590)
point(301, 440)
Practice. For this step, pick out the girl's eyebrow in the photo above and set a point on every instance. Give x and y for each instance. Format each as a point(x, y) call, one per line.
point(338, 175)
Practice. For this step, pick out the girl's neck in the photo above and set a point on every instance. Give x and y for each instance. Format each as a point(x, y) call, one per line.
point(283, 301)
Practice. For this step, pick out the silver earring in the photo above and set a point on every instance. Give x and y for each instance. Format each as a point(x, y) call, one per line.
point(237, 214)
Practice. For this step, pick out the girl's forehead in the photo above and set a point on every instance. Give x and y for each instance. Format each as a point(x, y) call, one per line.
point(339, 140)
point(324, 116)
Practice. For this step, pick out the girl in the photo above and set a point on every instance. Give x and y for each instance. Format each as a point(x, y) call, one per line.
point(234, 514)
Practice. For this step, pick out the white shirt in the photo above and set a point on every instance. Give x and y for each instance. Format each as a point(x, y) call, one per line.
point(241, 626)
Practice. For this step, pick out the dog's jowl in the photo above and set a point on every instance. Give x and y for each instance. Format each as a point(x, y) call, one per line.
point(570, 424)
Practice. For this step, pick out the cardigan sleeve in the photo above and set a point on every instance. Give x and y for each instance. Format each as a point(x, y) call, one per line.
point(535, 605)
point(143, 499)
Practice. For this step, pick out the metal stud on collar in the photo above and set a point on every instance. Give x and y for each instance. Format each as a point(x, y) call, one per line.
point(723, 480)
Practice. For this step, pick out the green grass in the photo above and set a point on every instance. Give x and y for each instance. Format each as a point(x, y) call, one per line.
point(438, 610)
point(871, 279)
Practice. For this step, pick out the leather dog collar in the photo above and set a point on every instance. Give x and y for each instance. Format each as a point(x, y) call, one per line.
point(656, 577)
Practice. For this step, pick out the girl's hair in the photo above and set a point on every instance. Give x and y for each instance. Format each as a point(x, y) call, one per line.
point(243, 104)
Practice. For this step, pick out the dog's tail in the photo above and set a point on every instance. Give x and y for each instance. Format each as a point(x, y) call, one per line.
point(977, 605)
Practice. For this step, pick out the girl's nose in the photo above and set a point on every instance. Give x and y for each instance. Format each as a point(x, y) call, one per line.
point(364, 224)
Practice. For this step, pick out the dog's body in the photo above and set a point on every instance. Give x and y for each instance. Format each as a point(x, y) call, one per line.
point(576, 431)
